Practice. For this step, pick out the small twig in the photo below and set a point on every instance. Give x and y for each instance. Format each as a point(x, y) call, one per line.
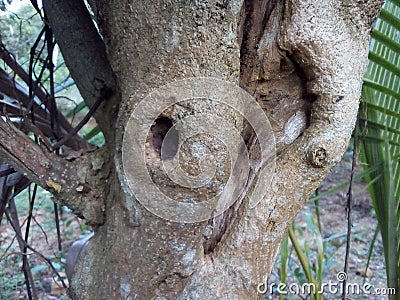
point(4, 256)
point(349, 208)
point(54, 124)
point(14, 252)
point(57, 220)
point(75, 130)
point(41, 229)
point(36, 6)
point(14, 221)
point(45, 259)
point(10, 61)
point(7, 172)
point(30, 214)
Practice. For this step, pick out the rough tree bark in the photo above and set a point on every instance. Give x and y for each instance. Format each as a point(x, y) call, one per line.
point(303, 62)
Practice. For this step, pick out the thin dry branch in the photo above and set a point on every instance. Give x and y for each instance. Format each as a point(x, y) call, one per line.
point(12, 89)
point(21, 73)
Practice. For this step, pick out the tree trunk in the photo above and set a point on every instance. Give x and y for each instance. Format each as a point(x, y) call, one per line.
point(303, 63)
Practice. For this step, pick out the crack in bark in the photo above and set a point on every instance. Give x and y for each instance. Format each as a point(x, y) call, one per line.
point(221, 224)
point(254, 18)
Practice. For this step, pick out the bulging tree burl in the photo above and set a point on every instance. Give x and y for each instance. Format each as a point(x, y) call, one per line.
point(221, 117)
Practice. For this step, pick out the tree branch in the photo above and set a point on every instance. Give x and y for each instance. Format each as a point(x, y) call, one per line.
point(10, 87)
point(84, 53)
point(72, 183)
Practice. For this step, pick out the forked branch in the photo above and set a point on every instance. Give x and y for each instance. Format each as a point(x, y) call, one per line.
point(72, 183)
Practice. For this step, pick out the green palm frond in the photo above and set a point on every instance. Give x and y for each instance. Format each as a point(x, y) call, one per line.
point(380, 133)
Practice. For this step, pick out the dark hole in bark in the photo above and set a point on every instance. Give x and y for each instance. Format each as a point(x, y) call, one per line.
point(285, 64)
point(165, 138)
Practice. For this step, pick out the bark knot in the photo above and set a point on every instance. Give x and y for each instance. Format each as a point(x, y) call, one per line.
point(317, 156)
